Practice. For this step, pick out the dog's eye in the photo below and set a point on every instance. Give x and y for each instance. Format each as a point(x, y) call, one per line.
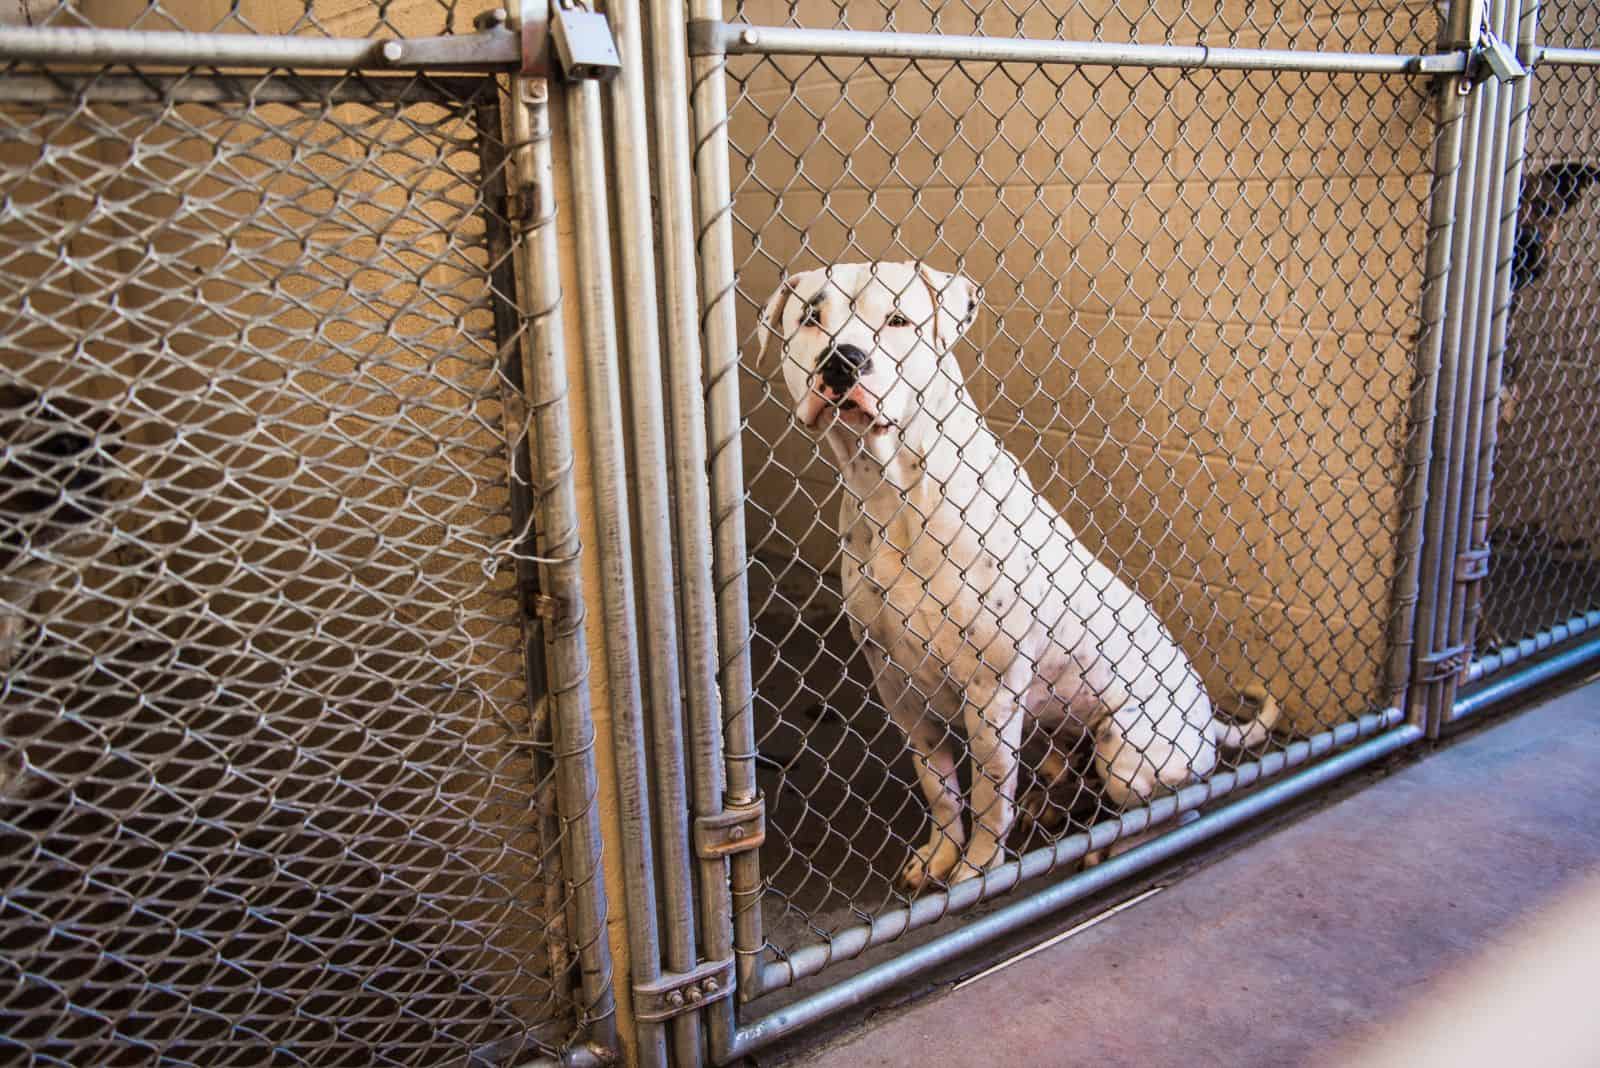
point(811, 316)
point(898, 320)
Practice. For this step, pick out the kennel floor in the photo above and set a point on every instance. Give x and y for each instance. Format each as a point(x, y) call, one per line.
point(1320, 932)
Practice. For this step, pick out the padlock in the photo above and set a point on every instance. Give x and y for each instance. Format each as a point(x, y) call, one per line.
point(1502, 61)
point(583, 42)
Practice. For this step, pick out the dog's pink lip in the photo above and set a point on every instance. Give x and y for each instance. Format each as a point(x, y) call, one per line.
point(857, 409)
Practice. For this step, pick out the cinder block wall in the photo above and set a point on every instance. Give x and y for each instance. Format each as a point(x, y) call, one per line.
point(1200, 302)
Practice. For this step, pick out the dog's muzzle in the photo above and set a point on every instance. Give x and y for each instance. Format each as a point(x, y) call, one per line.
point(841, 367)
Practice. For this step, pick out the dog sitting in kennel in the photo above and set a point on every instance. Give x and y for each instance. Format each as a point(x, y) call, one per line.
point(1548, 196)
point(980, 610)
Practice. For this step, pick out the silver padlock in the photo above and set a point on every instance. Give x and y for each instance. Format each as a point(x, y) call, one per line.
point(583, 42)
point(1502, 61)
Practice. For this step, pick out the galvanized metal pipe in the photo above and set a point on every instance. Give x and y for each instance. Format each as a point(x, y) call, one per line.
point(586, 155)
point(48, 44)
point(721, 38)
point(1510, 206)
point(636, 240)
point(1437, 571)
point(714, 214)
point(858, 988)
point(669, 78)
point(932, 908)
point(1484, 307)
point(559, 548)
point(1403, 615)
point(1567, 57)
point(1530, 646)
point(1477, 312)
point(1518, 682)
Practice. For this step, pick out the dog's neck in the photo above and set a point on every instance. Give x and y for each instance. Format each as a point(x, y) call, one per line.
point(914, 465)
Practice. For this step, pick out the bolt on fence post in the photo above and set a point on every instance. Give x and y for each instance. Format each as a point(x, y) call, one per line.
point(559, 547)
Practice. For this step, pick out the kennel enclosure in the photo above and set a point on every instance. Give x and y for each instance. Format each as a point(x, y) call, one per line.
point(424, 639)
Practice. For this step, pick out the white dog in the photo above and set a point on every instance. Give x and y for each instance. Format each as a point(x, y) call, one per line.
point(982, 607)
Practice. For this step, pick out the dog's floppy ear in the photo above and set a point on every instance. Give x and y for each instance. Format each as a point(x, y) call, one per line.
point(955, 300)
point(772, 319)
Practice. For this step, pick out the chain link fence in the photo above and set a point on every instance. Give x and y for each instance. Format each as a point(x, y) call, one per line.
point(1196, 335)
point(1545, 570)
point(275, 790)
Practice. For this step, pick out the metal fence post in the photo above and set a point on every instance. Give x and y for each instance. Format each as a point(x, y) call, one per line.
point(559, 548)
point(669, 78)
point(657, 579)
point(1510, 198)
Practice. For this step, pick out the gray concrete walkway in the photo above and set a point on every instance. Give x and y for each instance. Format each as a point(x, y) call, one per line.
point(1318, 933)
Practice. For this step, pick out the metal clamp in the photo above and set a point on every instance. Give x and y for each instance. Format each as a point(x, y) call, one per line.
point(680, 992)
point(736, 829)
point(1446, 663)
point(1473, 565)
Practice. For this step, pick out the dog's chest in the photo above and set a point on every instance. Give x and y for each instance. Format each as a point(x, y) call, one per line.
point(919, 580)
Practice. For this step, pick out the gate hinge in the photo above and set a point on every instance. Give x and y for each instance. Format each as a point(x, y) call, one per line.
point(1446, 663)
point(677, 993)
point(736, 829)
point(1473, 565)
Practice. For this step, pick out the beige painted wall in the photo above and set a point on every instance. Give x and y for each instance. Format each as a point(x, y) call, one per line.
point(1199, 302)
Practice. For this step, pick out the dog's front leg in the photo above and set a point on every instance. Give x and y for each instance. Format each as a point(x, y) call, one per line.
point(934, 756)
point(994, 737)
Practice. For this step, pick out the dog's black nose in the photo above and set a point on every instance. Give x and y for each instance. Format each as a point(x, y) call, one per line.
point(841, 367)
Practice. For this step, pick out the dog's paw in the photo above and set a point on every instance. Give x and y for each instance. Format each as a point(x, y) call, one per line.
point(931, 863)
point(978, 860)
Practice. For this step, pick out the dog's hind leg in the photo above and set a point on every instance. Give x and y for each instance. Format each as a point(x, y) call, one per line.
point(1137, 760)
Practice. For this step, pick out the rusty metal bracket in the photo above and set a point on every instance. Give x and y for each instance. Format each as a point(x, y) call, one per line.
point(1473, 565)
point(736, 829)
point(680, 992)
point(1445, 663)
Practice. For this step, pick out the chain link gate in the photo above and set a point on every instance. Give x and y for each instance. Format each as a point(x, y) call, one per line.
point(1541, 591)
point(1212, 313)
point(286, 779)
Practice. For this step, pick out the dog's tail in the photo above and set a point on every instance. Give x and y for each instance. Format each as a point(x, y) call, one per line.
point(1259, 730)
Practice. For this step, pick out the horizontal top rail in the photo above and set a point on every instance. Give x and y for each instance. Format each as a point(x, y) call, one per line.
point(1569, 57)
point(490, 49)
point(724, 38)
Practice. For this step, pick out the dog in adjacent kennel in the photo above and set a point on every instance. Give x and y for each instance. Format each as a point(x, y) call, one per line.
point(975, 601)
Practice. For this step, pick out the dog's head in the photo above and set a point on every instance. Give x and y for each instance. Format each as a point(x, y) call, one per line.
point(867, 348)
point(1544, 198)
point(54, 467)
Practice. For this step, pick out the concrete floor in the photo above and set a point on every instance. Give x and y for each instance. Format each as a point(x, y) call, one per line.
point(1321, 932)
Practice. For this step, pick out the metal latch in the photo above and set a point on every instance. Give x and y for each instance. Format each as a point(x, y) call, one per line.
point(584, 45)
point(1473, 565)
point(580, 42)
point(677, 993)
point(737, 828)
